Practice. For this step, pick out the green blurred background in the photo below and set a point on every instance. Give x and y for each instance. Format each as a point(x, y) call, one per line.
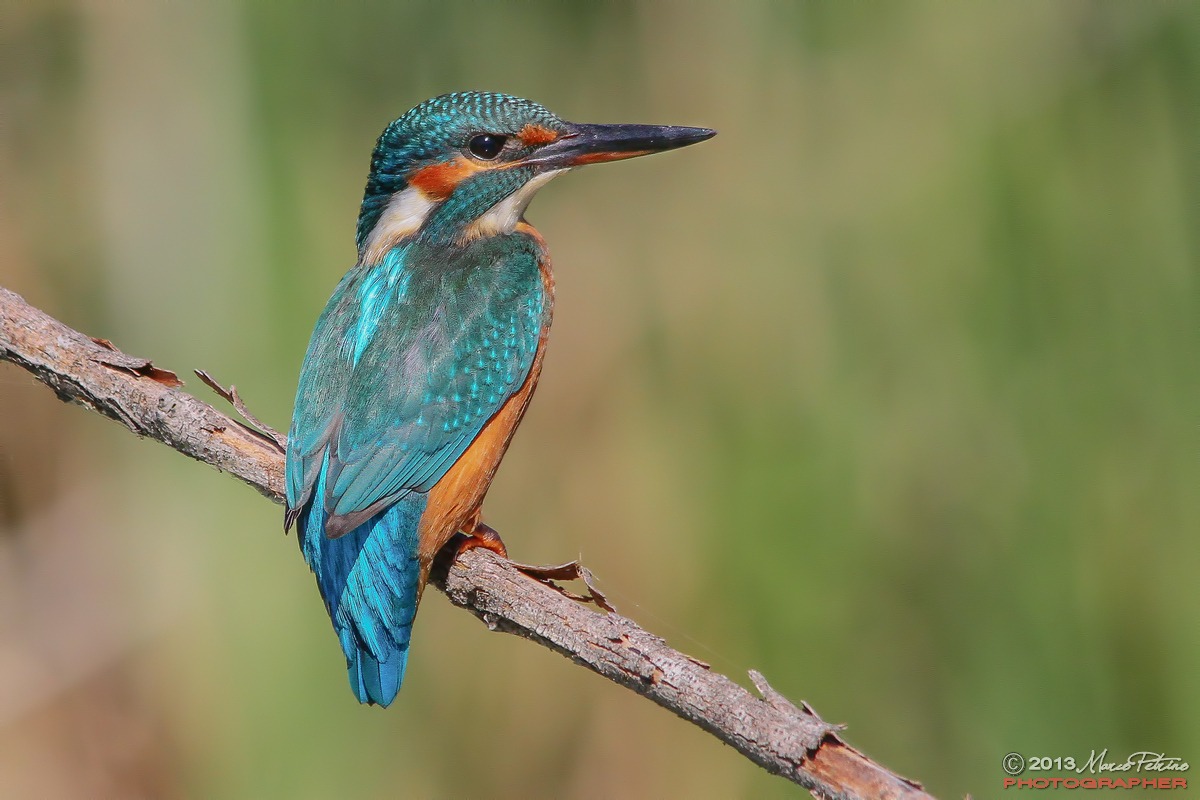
point(890, 391)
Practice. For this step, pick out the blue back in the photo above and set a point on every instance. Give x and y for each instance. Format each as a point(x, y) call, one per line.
point(408, 362)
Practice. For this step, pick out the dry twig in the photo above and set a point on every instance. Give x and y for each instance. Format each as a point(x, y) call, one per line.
point(771, 731)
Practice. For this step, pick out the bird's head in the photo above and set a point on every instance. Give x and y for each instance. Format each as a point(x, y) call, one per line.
point(467, 164)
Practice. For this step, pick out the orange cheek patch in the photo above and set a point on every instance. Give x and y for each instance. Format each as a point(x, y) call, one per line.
point(535, 134)
point(438, 181)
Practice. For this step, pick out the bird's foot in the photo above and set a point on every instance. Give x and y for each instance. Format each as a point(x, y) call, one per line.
point(473, 535)
point(481, 535)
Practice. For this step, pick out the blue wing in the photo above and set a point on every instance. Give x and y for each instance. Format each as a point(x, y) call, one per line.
point(407, 363)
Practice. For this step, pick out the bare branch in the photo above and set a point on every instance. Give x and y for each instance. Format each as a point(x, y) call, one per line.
point(771, 731)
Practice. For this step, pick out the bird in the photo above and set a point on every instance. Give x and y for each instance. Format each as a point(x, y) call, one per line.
point(425, 357)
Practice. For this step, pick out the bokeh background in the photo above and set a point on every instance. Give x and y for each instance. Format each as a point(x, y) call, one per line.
point(890, 391)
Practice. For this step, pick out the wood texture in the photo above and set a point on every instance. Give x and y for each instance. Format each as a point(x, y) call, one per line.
point(769, 730)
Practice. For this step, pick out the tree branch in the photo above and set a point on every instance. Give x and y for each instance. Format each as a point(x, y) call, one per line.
point(772, 732)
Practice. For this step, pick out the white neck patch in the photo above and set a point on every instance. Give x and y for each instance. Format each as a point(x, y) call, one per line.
point(503, 217)
point(404, 215)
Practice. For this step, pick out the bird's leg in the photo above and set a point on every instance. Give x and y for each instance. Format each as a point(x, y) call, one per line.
point(478, 534)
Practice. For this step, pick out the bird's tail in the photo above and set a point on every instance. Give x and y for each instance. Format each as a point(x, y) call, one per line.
point(369, 579)
point(373, 681)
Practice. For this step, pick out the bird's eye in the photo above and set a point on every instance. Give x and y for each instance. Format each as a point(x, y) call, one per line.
point(486, 145)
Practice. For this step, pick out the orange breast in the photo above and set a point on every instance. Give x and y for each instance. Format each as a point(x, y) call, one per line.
point(456, 498)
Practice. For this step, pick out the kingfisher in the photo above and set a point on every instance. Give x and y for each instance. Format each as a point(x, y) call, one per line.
point(424, 360)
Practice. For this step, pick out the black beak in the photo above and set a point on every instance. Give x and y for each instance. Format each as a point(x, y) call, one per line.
point(593, 144)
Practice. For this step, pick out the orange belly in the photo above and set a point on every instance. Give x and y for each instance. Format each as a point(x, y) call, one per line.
point(456, 499)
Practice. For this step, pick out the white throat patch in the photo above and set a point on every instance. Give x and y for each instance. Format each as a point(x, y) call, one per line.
point(503, 217)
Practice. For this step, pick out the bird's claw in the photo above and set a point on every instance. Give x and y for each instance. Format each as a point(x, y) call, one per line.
point(484, 536)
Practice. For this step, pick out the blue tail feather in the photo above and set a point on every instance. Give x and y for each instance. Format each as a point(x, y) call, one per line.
point(369, 581)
